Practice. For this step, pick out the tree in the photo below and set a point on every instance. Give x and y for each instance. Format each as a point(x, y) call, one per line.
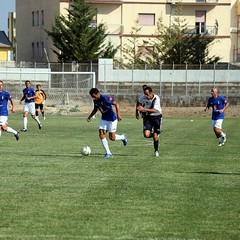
point(177, 44)
point(76, 38)
point(131, 53)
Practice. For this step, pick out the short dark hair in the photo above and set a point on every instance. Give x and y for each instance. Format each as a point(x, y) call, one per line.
point(148, 88)
point(144, 86)
point(38, 85)
point(27, 81)
point(93, 91)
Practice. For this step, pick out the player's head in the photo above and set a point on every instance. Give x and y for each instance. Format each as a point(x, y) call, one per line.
point(214, 92)
point(38, 86)
point(27, 83)
point(95, 94)
point(148, 92)
point(144, 86)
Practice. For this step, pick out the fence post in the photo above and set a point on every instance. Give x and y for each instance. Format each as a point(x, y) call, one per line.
point(186, 79)
point(132, 78)
point(214, 74)
point(105, 80)
point(172, 79)
point(199, 80)
point(228, 77)
point(160, 80)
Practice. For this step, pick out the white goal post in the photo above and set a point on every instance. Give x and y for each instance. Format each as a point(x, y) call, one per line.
point(62, 88)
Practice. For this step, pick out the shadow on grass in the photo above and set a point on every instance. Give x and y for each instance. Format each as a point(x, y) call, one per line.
point(213, 173)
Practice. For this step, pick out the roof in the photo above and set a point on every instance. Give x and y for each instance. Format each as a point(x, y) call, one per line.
point(4, 41)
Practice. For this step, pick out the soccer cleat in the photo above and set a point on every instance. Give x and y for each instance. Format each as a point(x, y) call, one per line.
point(16, 136)
point(125, 141)
point(40, 126)
point(156, 153)
point(107, 155)
point(24, 130)
point(44, 118)
point(221, 144)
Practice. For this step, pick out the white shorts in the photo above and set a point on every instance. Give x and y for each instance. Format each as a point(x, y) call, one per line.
point(29, 107)
point(3, 120)
point(108, 125)
point(217, 123)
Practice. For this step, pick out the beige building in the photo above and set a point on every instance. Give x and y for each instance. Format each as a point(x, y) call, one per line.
point(218, 18)
point(12, 31)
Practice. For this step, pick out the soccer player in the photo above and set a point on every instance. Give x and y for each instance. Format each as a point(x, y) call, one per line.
point(109, 119)
point(150, 105)
point(218, 104)
point(4, 98)
point(39, 100)
point(29, 96)
point(138, 100)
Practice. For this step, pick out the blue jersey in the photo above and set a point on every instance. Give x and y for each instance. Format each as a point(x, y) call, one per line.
point(4, 97)
point(104, 105)
point(28, 92)
point(217, 104)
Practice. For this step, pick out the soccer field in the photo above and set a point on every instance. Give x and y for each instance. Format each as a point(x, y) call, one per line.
point(49, 191)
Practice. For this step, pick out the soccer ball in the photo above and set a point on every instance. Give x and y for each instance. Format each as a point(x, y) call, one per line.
point(86, 151)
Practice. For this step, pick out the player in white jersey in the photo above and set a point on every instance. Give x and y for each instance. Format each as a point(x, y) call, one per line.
point(150, 105)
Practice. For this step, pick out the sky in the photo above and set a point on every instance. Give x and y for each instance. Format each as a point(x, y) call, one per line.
point(6, 6)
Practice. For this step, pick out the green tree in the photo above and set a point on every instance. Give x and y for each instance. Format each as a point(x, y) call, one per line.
point(177, 44)
point(76, 38)
point(130, 50)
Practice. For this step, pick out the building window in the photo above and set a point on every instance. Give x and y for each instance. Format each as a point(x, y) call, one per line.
point(33, 18)
point(146, 19)
point(42, 17)
point(42, 49)
point(38, 50)
point(33, 50)
point(200, 21)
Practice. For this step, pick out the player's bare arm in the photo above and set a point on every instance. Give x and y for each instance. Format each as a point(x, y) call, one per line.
point(225, 107)
point(149, 110)
point(13, 107)
point(94, 111)
point(117, 110)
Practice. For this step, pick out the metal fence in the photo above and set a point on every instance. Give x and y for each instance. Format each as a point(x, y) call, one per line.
point(178, 84)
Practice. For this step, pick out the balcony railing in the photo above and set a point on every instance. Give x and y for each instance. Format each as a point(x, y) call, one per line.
point(211, 30)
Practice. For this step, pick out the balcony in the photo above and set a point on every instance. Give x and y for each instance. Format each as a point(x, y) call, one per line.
point(200, 2)
point(104, 1)
point(210, 30)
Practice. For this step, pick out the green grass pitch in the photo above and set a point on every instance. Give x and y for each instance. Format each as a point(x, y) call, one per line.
point(49, 191)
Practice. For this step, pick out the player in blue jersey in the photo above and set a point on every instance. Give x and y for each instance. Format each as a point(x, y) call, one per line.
point(109, 119)
point(218, 104)
point(29, 95)
point(4, 98)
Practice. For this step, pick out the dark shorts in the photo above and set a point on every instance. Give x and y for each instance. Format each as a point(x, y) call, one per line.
point(39, 106)
point(153, 123)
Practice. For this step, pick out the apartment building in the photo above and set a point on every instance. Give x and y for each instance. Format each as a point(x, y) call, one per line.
point(218, 18)
point(12, 31)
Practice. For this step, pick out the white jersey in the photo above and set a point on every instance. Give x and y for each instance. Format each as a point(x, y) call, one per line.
point(151, 103)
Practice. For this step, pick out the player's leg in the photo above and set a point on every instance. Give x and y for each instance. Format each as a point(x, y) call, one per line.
point(147, 129)
point(156, 132)
point(42, 111)
point(102, 136)
point(25, 120)
point(5, 128)
point(217, 128)
point(36, 109)
point(112, 128)
point(32, 112)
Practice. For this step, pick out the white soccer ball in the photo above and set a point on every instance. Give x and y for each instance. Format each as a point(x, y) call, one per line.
point(86, 151)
